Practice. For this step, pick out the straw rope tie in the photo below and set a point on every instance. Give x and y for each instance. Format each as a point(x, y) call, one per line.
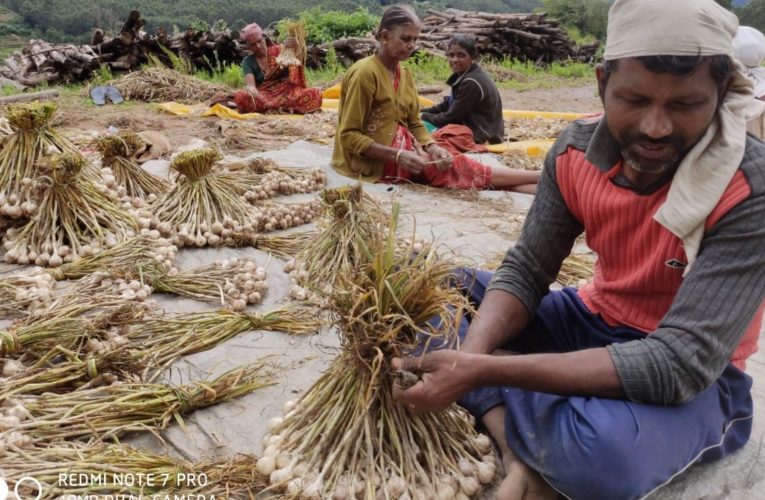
point(92, 367)
point(9, 343)
point(57, 273)
point(184, 400)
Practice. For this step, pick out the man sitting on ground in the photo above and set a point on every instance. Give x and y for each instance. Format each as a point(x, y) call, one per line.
point(613, 389)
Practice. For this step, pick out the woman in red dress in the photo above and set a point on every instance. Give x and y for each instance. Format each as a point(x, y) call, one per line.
point(270, 86)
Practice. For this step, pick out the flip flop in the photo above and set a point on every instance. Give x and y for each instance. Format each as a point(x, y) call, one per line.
point(98, 94)
point(114, 95)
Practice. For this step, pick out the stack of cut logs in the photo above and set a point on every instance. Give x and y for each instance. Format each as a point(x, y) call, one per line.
point(524, 37)
point(203, 49)
point(348, 51)
point(41, 62)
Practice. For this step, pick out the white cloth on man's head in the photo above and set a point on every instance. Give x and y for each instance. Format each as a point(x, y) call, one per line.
point(690, 28)
point(749, 48)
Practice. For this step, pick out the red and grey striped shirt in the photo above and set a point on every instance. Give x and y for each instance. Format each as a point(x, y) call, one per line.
point(695, 325)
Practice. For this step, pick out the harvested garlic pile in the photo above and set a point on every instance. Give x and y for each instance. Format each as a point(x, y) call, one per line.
point(216, 234)
point(165, 252)
point(11, 367)
point(132, 290)
point(74, 219)
point(273, 216)
point(29, 290)
point(467, 479)
point(12, 415)
point(147, 221)
point(49, 256)
point(298, 278)
point(22, 204)
point(112, 340)
point(236, 283)
point(247, 286)
point(277, 183)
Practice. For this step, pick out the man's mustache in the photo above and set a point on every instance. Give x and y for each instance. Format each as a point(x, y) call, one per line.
point(644, 139)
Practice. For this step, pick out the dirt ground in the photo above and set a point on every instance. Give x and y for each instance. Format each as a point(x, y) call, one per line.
point(80, 118)
point(578, 99)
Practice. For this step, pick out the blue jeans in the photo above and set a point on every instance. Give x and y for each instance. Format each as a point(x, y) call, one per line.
point(593, 448)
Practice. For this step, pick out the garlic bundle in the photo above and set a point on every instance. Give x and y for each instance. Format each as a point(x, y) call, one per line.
point(294, 56)
point(236, 283)
point(30, 140)
point(122, 174)
point(273, 216)
point(346, 437)
point(74, 219)
point(298, 280)
point(202, 203)
point(27, 290)
point(279, 182)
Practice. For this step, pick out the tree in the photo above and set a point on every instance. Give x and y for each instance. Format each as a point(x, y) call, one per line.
point(589, 16)
point(753, 15)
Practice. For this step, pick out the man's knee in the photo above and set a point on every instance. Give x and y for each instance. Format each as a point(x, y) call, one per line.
point(592, 458)
point(606, 469)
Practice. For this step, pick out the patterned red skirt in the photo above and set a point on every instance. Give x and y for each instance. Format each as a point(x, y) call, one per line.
point(466, 173)
point(285, 97)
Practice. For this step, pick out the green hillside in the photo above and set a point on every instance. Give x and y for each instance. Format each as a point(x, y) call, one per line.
point(71, 20)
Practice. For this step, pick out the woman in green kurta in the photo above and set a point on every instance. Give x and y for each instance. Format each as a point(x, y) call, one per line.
point(380, 136)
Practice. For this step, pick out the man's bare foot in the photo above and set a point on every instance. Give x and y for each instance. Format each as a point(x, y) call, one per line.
point(521, 482)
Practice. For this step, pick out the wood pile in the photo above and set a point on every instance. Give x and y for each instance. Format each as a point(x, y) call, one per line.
point(348, 51)
point(524, 37)
point(132, 47)
point(41, 62)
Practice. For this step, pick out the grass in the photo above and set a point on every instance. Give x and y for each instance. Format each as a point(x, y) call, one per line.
point(508, 74)
point(9, 45)
point(578, 37)
point(102, 75)
point(327, 74)
point(230, 75)
point(520, 76)
point(427, 70)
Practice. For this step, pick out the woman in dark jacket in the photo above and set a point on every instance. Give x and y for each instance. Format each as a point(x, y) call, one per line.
point(475, 100)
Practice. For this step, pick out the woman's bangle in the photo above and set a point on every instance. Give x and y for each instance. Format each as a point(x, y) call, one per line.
point(398, 155)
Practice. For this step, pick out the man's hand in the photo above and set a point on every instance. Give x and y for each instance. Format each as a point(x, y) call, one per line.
point(411, 161)
point(441, 157)
point(446, 376)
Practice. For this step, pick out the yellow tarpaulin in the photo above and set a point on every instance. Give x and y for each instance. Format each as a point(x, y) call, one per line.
point(534, 148)
point(550, 115)
point(331, 104)
point(331, 96)
point(215, 110)
point(332, 92)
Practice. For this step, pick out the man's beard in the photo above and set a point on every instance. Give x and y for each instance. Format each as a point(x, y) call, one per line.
point(637, 165)
point(677, 144)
